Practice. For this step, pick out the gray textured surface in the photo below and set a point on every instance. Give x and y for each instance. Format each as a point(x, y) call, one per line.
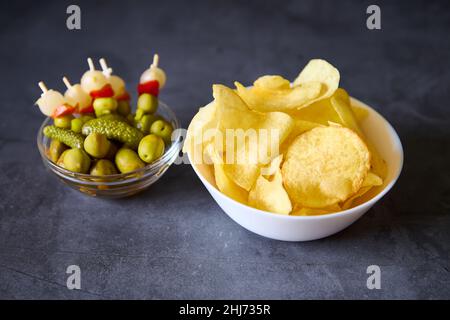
point(173, 241)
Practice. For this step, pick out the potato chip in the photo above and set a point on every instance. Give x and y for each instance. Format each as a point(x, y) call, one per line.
point(319, 112)
point(317, 81)
point(370, 181)
point(315, 212)
point(244, 166)
point(345, 113)
point(360, 113)
point(300, 126)
point(245, 172)
point(321, 71)
point(225, 184)
point(272, 82)
point(204, 119)
point(347, 204)
point(324, 166)
point(245, 156)
point(233, 113)
point(273, 166)
point(340, 103)
point(268, 100)
point(268, 194)
point(342, 94)
point(228, 99)
point(309, 128)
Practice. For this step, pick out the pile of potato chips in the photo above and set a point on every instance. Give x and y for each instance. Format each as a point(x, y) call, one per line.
point(315, 159)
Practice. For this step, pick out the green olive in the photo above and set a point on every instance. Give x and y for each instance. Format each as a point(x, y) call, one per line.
point(97, 145)
point(63, 122)
point(77, 160)
point(139, 114)
point(104, 106)
point(128, 160)
point(162, 129)
point(103, 167)
point(151, 148)
point(76, 125)
point(147, 103)
point(60, 161)
point(123, 108)
point(146, 122)
point(56, 149)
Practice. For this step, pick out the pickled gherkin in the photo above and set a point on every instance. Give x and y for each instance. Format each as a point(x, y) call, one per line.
point(115, 130)
point(66, 136)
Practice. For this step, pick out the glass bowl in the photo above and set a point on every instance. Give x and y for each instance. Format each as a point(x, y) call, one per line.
point(116, 185)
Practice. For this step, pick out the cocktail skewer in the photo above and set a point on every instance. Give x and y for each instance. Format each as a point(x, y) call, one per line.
point(116, 82)
point(76, 96)
point(50, 100)
point(93, 80)
point(154, 72)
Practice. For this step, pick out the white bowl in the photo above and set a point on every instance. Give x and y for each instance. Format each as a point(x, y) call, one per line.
point(305, 228)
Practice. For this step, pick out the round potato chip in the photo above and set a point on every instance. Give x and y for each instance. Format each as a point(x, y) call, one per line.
point(324, 166)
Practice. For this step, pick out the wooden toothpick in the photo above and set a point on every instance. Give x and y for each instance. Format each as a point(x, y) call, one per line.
point(91, 64)
point(43, 87)
point(155, 61)
point(106, 70)
point(67, 83)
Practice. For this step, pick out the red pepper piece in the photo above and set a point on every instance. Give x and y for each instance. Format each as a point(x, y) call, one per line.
point(89, 109)
point(63, 110)
point(105, 92)
point(125, 96)
point(151, 87)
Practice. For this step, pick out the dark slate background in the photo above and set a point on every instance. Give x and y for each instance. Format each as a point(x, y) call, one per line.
point(173, 241)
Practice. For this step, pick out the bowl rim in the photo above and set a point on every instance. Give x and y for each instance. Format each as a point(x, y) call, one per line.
point(363, 206)
point(120, 178)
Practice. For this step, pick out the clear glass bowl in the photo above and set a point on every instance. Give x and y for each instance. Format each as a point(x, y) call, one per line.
point(116, 185)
